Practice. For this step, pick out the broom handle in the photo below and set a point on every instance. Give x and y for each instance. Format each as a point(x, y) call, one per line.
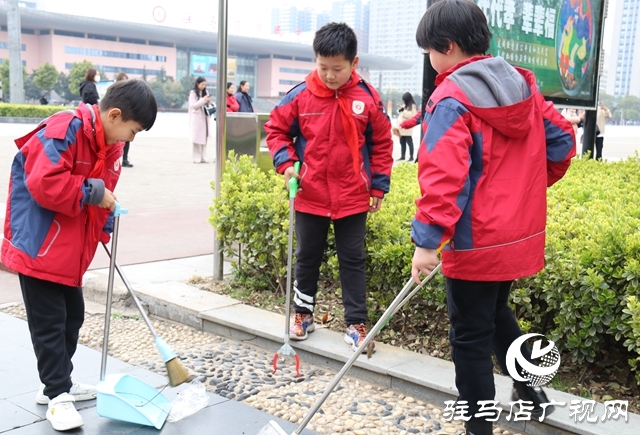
point(132, 293)
point(400, 300)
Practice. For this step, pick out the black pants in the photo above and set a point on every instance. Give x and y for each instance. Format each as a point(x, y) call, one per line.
point(55, 313)
point(404, 142)
point(125, 152)
point(311, 231)
point(481, 321)
point(599, 145)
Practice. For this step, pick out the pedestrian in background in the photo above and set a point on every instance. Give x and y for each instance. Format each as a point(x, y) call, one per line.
point(406, 112)
point(243, 97)
point(602, 115)
point(199, 119)
point(125, 152)
point(232, 103)
point(88, 90)
point(573, 117)
point(334, 124)
point(483, 183)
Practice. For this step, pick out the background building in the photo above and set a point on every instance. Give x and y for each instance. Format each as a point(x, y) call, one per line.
point(356, 14)
point(623, 76)
point(392, 32)
point(289, 19)
point(272, 67)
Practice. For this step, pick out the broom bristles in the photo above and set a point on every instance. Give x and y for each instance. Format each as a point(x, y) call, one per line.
point(176, 372)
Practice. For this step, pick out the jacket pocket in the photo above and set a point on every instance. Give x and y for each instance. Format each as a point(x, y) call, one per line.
point(49, 240)
point(365, 177)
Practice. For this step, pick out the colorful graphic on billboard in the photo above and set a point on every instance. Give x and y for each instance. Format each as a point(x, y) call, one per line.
point(559, 40)
point(102, 87)
point(206, 65)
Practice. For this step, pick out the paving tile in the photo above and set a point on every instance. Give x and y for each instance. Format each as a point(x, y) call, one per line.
point(18, 371)
point(13, 416)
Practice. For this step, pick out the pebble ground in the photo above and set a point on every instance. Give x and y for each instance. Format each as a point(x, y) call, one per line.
point(243, 372)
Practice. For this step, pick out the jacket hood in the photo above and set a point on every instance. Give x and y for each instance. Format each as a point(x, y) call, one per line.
point(84, 83)
point(498, 93)
point(89, 116)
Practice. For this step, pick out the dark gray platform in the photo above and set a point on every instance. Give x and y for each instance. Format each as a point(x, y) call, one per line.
point(20, 415)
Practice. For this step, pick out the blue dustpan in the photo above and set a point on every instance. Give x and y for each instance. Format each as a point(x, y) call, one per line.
point(127, 398)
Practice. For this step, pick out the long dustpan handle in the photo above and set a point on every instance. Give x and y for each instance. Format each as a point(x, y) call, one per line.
point(399, 301)
point(112, 264)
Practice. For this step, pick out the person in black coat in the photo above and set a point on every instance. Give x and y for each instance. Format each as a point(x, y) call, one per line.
point(88, 90)
point(243, 97)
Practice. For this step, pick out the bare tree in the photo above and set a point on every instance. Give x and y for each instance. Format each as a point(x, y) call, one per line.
point(15, 47)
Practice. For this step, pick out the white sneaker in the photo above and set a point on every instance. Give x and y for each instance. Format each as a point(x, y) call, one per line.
point(79, 392)
point(62, 414)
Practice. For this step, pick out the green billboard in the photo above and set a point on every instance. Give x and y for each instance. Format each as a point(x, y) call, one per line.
point(559, 40)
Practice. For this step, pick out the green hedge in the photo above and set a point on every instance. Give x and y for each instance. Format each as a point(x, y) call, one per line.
point(29, 110)
point(592, 261)
point(585, 299)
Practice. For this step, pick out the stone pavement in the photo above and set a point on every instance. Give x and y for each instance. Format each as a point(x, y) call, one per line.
point(165, 240)
point(22, 416)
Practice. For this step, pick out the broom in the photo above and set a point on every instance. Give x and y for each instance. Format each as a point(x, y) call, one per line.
point(176, 372)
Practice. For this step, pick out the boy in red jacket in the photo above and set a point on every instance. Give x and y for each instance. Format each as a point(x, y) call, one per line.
point(334, 124)
point(60, 197)
point(491, 148)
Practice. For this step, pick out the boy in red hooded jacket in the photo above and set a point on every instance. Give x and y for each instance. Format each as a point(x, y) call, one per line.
point(60, 197)
point(335, 125)
point(492, 146)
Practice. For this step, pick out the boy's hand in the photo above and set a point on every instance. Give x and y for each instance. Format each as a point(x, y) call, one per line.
point(424, 261)
point(288, 173)
point(108, 200)
point(376, 203)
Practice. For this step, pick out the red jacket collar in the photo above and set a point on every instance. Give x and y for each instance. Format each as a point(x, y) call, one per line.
point(318, 88)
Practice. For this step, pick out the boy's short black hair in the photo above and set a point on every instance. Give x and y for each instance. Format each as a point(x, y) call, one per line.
point(334, 39)
point(459, 21)
point(135, 100)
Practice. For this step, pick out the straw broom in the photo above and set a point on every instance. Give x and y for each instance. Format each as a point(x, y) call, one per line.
point(176, 372)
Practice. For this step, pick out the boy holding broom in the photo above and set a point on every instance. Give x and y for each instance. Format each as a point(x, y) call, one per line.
point(60, 198)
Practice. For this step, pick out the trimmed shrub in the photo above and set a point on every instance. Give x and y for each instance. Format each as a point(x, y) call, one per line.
point(251, 217)
point(29, 110)
point(585, 299)
point(592, 259)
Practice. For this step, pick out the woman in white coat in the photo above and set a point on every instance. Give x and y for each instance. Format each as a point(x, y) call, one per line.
point(199, 120)
point(406, 112)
